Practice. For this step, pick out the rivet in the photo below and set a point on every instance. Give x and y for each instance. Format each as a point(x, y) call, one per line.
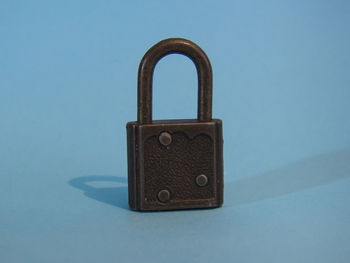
point(164, 196)
point(201, 180)
point(165, 138)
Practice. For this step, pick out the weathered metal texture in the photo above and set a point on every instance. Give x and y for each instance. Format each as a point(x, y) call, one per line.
point(175, 164)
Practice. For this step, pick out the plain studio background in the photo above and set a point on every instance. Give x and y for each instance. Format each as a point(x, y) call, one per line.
point(68, 74)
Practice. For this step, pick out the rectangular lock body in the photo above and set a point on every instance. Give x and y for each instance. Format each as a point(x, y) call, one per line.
point(184, 173)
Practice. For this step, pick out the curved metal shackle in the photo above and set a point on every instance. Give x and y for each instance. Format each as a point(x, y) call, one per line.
point(146, 69)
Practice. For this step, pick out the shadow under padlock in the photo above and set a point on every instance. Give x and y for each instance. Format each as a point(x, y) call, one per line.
point(116, 196)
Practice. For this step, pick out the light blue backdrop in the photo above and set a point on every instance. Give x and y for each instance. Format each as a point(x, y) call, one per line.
point(68, 74)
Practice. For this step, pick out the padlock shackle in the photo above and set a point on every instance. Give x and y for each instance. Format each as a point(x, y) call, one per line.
point(146, 69)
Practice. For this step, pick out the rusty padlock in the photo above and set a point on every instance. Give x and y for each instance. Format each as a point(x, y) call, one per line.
point(175, 164)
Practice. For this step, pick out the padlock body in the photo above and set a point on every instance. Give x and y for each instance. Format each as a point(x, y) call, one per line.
point(188, 167)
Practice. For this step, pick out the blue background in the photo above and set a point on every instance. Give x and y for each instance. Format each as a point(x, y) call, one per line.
point(68, 75)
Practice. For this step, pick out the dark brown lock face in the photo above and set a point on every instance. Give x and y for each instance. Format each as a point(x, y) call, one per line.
point(175, 164)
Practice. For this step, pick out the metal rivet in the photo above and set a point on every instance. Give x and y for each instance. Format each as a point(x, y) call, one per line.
point(164, 196)
point(201, 180)
point(165, 138)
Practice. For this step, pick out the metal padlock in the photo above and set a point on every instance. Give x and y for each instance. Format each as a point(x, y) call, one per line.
point(175, 164)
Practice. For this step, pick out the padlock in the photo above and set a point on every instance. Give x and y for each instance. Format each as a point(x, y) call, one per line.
point(175, 164)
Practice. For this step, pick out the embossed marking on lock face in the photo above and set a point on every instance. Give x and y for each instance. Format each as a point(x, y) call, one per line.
point(175, 164)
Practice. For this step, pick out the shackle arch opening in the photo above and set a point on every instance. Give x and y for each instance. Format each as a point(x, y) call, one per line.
point(146, 70)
